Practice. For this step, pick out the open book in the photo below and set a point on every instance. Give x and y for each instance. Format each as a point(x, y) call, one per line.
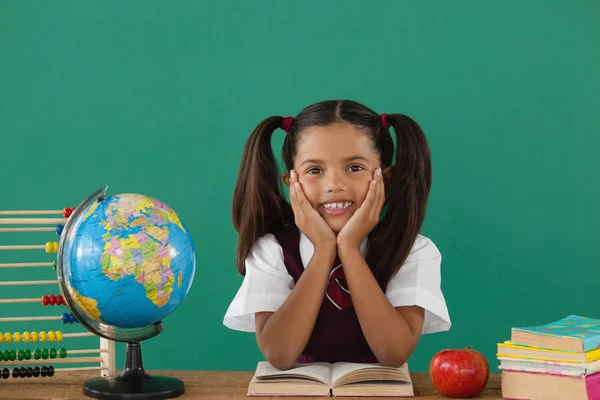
point(325, 379)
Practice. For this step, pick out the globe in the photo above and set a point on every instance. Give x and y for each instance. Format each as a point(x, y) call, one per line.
point(131, 261)
point(124, 263)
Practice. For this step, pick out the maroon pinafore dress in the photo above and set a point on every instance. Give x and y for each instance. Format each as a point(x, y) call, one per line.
point(337, 335)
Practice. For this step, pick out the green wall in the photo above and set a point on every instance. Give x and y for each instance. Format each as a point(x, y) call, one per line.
point(159, 97)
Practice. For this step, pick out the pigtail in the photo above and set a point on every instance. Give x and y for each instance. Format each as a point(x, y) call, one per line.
point(407, 192)
point(258, 204)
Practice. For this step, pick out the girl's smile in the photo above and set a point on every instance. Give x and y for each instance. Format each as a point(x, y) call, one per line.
point(336, 207)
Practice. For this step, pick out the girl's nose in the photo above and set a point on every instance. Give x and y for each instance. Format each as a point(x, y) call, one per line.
point(335, 182)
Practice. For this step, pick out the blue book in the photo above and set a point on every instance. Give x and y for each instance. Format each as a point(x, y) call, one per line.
point(573, 333)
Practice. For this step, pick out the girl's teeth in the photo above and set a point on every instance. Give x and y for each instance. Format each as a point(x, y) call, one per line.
point(334, 206)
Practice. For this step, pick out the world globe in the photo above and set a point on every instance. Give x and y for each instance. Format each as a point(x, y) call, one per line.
point(131, 261)
point(124, 263)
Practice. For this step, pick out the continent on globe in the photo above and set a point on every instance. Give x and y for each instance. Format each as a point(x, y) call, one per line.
point(90, 306)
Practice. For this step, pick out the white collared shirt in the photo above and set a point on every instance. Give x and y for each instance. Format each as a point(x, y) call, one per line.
point(267, 283)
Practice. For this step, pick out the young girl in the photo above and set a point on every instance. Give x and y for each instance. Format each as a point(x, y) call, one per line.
point(340, 273)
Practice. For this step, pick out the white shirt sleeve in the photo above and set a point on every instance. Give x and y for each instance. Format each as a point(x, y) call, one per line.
point(265, 287)
point(418, 282)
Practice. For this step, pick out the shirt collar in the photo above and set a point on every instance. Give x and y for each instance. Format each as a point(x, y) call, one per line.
point(307, 249)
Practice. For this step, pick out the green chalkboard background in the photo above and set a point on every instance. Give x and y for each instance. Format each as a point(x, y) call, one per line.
point(159, 97)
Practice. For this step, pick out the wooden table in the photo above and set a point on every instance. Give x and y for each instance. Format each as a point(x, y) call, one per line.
point(218, 385)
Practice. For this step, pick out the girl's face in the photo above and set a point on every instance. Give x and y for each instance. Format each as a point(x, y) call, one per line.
point(335, 164)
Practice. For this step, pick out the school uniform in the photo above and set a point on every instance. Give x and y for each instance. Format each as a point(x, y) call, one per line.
point(277, 261)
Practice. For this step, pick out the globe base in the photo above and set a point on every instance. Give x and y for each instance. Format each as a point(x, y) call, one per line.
point(150, 388)
point(134, 382)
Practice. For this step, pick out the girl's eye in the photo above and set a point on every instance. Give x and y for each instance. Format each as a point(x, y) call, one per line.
point(355, 168)
point(314, 170)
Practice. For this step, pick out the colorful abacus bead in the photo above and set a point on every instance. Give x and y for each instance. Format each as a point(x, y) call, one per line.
point(52, 353)
point(45, 354)
point(15, 372)
point(67, 211)
point(34, 337)
point(13, 355)
point(54, 265)
point(58, 336)
point(26, 337)
point(29, 372)
point(42, 336)
point(67, 318)
point(44, 371)
point(8, 337)
point(20, 355)
point(60, 300)
point(28, 354)
point(6, 355)
point(5, 373)
point(50, 370)
point(37, 353)
point(51, 336)
point(45, 300)
point(51, 247)
point(63, 352)
point(36, 372)
point(17, 337)
point(52, 299)
point(59, 229)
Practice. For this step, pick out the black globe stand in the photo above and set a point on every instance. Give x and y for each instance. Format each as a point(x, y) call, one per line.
point(134, 382)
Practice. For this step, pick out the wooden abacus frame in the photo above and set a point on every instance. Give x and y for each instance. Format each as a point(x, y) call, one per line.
point(106, 353)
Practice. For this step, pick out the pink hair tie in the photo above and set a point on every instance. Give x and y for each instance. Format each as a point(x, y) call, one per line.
point(384, 120)
point(287, 123)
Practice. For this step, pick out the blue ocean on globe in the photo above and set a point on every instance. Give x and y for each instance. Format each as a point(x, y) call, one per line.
point(130, 261)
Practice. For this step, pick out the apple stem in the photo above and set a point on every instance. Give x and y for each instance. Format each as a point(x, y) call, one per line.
point(468, 347)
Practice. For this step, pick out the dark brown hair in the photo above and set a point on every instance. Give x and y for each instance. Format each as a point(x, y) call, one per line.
point(259, 205)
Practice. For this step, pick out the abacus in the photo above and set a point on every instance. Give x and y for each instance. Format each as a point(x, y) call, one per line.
point(30, 362)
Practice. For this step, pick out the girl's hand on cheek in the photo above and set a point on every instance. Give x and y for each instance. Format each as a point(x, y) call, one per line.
point(366, 217)
point(307, 219)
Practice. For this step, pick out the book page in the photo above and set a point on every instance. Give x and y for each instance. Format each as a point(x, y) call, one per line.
point(317, 371)
point(341, 369)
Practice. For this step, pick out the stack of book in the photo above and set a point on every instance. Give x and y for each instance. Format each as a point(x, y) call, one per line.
point(558, 360)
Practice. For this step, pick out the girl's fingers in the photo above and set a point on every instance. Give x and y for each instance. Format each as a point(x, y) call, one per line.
point(381, 199)
point(294, 193)
point(368, 203)
point(298, 195)
point(302, 202)
point(375, 209)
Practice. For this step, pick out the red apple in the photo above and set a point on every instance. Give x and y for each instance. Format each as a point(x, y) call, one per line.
point(459, 372)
